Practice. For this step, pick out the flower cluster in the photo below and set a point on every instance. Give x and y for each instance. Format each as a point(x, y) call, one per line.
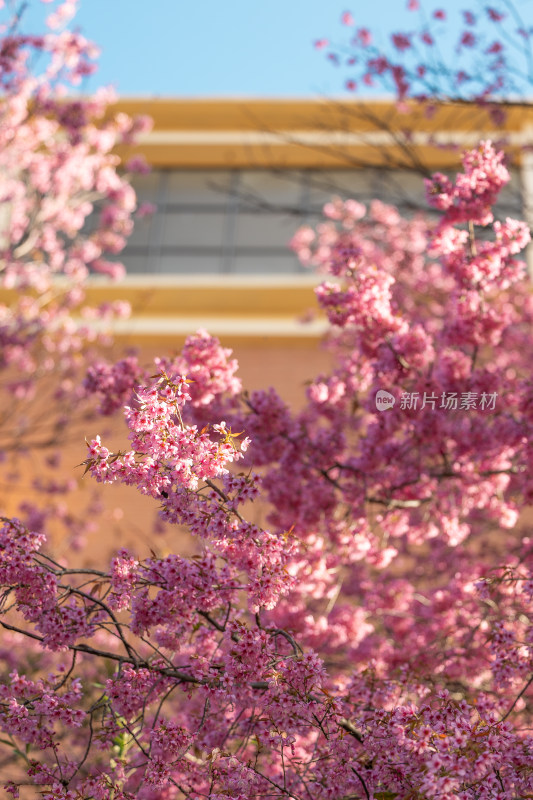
point(167, 454)
point(112, 383)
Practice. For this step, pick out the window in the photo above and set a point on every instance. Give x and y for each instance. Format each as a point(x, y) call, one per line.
point(241, 221)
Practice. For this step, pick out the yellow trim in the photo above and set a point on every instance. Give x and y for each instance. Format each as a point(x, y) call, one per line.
point(285, 123)
point(208, 299)
point(288, 114)
point(233, 308)
point(172, 342)
point(172, 299)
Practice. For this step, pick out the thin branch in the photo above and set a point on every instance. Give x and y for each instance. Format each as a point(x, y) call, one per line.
point(517, 698)
point(363, 784)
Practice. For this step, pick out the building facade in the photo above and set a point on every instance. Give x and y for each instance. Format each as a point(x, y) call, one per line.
point(232, 180)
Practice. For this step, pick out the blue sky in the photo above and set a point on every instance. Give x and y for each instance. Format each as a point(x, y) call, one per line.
point(263, 48)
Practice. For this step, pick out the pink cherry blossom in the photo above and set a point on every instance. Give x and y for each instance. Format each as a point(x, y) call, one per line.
point(364, 632)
